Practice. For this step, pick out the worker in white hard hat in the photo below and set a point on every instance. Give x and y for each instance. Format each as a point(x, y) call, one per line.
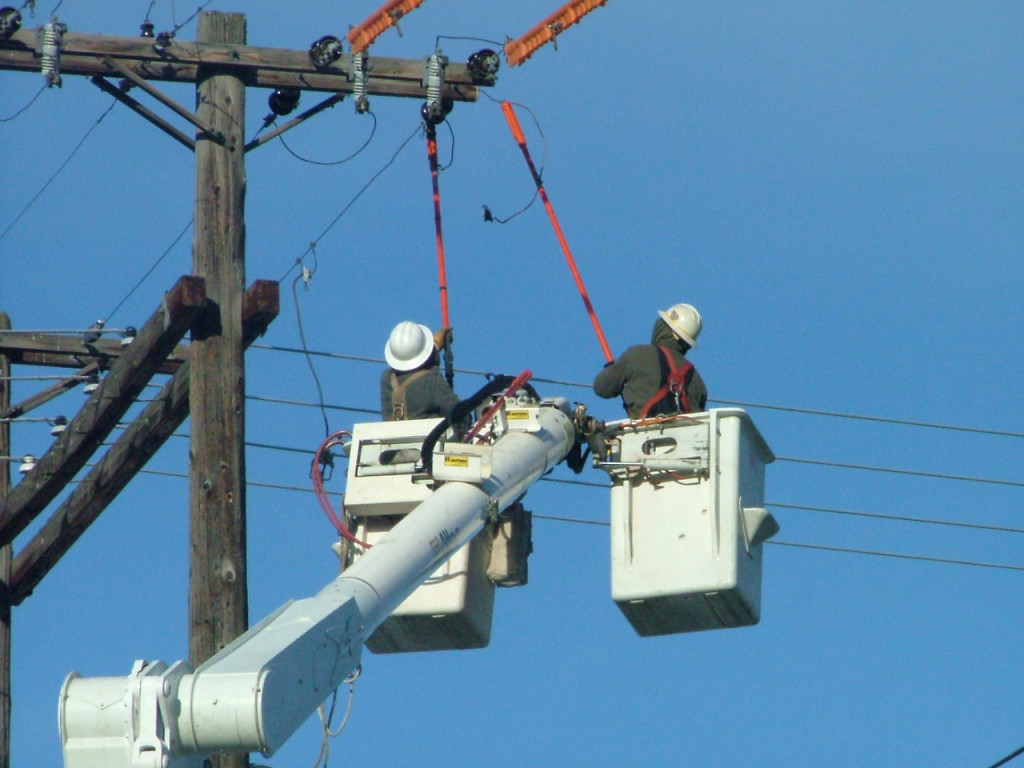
point(412, 387)
point(656, 379)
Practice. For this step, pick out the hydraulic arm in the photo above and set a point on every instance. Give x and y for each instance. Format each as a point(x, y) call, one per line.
point(255, 693)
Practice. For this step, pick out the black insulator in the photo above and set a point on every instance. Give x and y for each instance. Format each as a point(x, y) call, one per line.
point(283, 101)
point(325, 51)
point(163, 42)
point(432, 113)
point(10, 22)
point(483, 66)
point(147, 28)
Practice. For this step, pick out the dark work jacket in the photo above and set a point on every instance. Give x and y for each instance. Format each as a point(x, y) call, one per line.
point(638, 374)
point(429, 396)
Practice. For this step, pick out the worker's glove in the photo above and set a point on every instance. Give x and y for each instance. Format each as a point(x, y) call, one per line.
point(443, 338)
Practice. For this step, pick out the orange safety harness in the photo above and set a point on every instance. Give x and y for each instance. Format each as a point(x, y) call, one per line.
point(675, 384)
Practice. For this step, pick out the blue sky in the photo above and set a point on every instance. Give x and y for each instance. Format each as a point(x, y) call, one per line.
point(836, 186)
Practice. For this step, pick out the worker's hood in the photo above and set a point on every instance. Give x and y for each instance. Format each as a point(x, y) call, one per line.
point(662, 335)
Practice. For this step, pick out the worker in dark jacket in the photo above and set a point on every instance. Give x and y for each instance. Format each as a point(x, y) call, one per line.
point(413, 387)
point(656, 379)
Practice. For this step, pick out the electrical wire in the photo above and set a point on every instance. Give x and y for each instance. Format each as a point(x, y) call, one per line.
point(302, 337)
point(439, 38)
point(297, 156)
point(772, 542)
point(838, 415)
point(30, 103)
point(826, 548)
point(352, 202)
point(606, 486)
point(897, 518)
point(586, 385)
point(898, 555)
point(1016, 753)
point(56, 173)
point(911, 472)
point(488, 215)
point(282, 401)
point(186, 21)
point(152, 268)
point(326, 719)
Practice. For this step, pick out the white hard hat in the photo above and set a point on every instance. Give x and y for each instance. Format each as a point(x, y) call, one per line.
point(409, 346)
point(685, 322)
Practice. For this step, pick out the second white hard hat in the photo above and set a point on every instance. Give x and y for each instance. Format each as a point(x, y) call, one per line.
point(409, 346)
point(685, 322)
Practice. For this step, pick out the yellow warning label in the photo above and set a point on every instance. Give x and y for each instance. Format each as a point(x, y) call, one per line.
point(518, 413)
point(456, 461)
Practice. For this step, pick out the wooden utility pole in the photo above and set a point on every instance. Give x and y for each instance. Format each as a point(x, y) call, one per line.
point(222, 66)
point(6, 557)
point(218, 587)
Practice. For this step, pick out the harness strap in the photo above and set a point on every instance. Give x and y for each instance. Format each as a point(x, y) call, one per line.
point(399, 407)
point(675, 383)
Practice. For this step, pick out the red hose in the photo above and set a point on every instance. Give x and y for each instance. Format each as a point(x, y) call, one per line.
point(321, 493)
point(517, 134)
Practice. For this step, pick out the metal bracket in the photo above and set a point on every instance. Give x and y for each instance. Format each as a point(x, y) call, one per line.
point(493, 512)
point(168, 102)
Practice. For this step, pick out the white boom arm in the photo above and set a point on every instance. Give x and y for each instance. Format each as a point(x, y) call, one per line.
point(254, 694)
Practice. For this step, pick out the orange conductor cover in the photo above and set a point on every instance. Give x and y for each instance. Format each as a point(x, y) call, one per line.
point(362, 36)
point(518, 51)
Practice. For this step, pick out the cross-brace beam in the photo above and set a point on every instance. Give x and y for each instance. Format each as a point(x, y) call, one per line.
point(117, 391)
point(179, 61)
point(129, 454)
point(57, 351)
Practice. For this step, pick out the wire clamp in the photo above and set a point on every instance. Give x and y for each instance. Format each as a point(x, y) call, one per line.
point(492, 510)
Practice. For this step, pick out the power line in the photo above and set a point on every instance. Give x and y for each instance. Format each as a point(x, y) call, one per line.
point(352, 202)
point(247, 443)
point(737, 403)
point(56, 173)
point(912, 472)
point(302, 337)
point(1008, 758)
point(902, 422)
point(366, 143)
point(897, 555)
point(898, 518)
point(581, 521)
point(791, 459)
point(30, 103)
point(282, 401)
point(152, 268)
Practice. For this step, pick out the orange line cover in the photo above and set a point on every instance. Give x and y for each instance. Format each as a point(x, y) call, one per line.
point(362, 36)
point(518, 51)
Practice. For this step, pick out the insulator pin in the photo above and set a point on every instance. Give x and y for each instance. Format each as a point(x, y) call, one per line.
point(51, 43)
point(434, 110)
point(358, 73)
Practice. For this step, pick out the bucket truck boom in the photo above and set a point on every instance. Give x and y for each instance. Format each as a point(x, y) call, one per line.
point(256, 692)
